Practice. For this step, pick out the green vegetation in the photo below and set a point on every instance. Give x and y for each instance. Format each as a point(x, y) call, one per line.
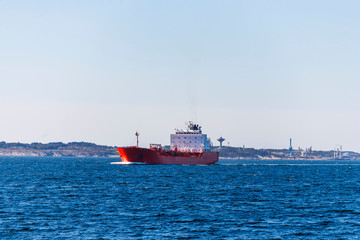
point(84, 149)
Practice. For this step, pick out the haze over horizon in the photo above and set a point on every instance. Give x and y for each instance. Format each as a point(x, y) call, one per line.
point(255, 72)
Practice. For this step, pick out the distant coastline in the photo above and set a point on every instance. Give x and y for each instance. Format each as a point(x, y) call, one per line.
point(57, 149)
point(284, 154)
point(86, 149)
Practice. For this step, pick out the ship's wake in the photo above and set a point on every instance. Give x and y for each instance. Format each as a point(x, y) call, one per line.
point(121, 163)
point(127, 163)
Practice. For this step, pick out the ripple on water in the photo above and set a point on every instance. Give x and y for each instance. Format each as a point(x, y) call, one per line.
point(234, 199)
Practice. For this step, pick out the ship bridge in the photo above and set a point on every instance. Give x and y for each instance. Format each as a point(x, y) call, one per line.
point(190, 140)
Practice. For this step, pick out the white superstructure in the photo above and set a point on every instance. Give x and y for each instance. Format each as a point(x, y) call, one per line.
point(190, 140)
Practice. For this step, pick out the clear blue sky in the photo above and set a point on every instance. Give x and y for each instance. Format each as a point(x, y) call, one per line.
point(255, 72)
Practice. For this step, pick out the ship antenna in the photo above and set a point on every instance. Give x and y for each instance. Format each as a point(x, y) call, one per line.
point(137, 138)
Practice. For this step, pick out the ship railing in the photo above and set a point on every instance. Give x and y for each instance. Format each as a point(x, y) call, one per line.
point(155, 146)
point(191, 150)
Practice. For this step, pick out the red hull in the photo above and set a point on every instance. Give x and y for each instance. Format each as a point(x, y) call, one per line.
point(153, 156)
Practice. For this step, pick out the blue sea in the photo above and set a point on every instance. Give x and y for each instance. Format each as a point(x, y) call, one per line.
point(89, 198)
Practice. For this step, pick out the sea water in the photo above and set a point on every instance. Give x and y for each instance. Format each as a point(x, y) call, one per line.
point(90, 198)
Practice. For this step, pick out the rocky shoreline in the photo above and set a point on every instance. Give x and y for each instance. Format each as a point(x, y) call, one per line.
point(74, 149)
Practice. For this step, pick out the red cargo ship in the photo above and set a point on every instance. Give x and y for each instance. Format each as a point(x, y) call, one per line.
point(188, 147)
